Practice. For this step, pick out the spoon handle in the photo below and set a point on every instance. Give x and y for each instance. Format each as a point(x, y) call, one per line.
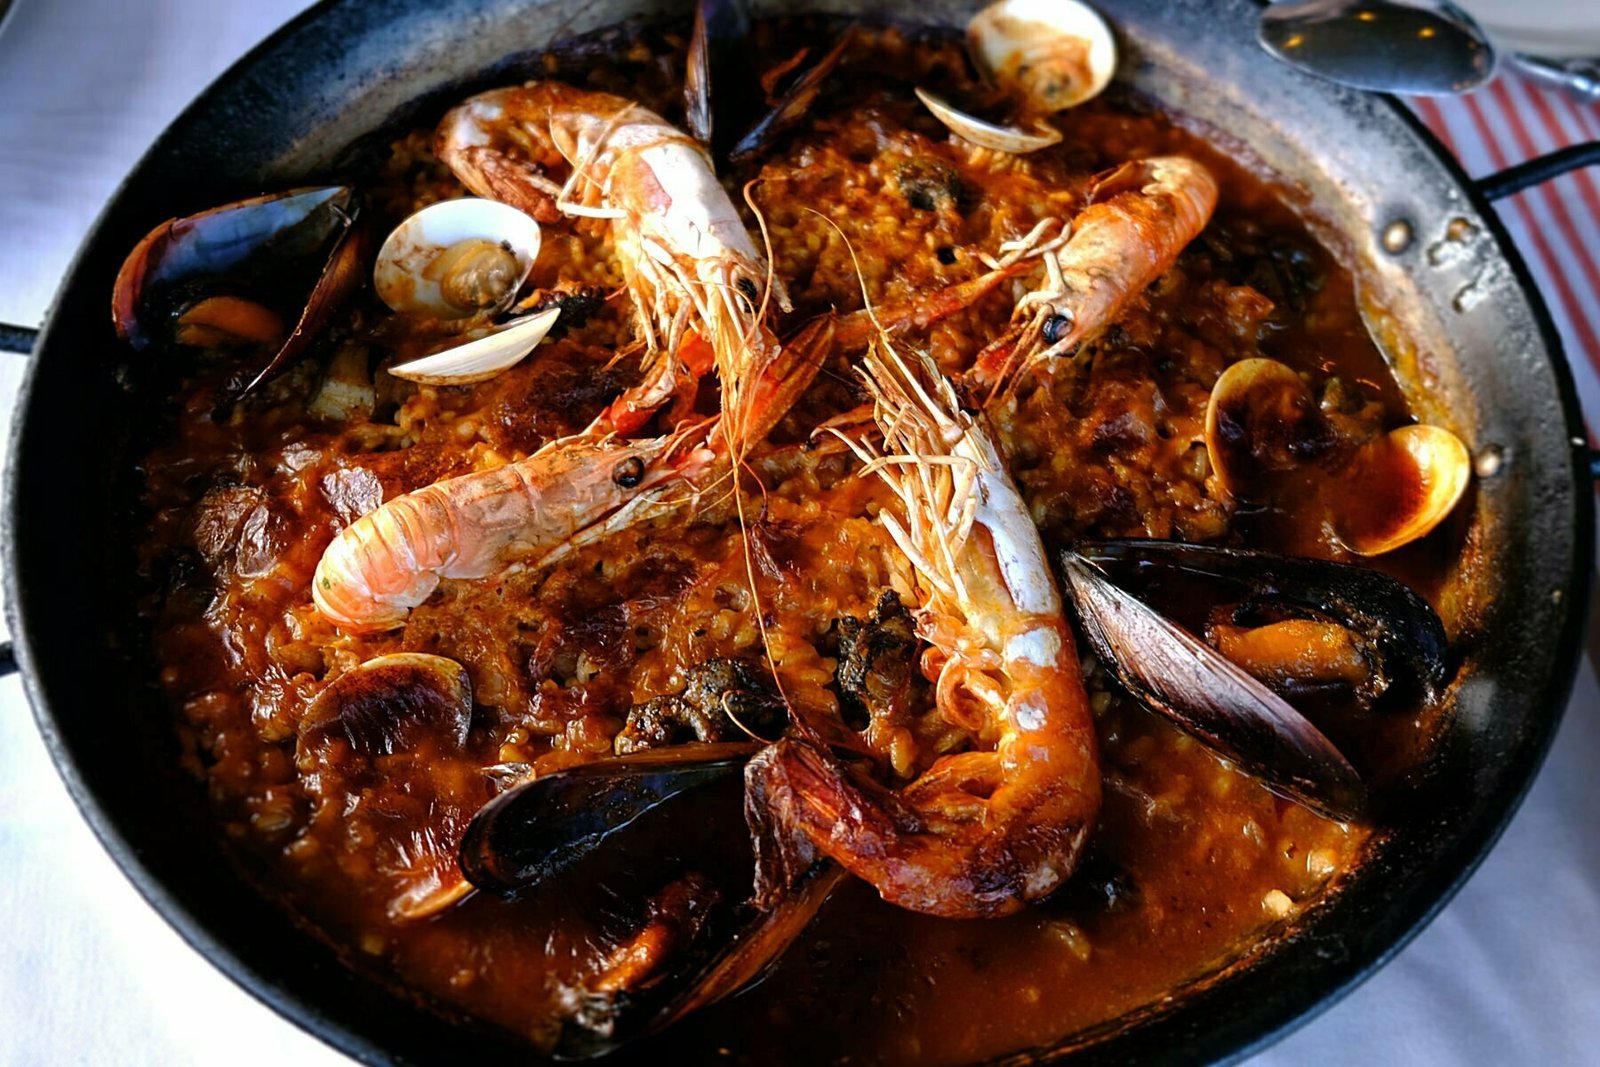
point(1580, 76)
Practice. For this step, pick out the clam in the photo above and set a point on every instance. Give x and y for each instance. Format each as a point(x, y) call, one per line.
point(1264, 431)
point(457, 258)
point(1408, 480)
point(1261, 420)
point(992, 135)
point(481, 358)
point(384, 730)
point(392, 704)
point(1054, 53)
point(1045, 56)
point(258, 279)
point(690, 947)
point(464, 261)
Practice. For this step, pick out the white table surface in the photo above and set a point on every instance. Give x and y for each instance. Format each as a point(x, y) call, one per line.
point(1509, 973)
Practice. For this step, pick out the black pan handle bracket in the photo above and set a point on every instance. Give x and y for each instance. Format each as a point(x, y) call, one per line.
point(1538, 170)
point(17, 339)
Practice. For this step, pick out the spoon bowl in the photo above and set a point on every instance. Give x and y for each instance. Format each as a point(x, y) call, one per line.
point(1380, 45)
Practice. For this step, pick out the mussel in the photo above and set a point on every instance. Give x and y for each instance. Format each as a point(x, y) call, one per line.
point(1044, 56)
point(717, 49)
point(258, 279)
point(1265, 431)
point(1313, 618)
point(691, 946)
point(541, 829)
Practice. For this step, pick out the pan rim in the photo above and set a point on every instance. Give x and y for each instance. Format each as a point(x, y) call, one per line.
point(1269, 1024)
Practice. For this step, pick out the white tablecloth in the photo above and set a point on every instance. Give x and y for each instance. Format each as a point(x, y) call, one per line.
point(1509, 973)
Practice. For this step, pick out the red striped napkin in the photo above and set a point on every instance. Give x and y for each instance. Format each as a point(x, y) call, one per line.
point(1556, 225)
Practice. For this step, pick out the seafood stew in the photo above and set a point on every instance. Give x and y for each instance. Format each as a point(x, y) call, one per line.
point(714, 571)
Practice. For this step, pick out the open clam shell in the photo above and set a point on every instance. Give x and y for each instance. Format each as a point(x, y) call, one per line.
point(478, 360)
point(384, 727)
point(1263, 425)
point(1046, 55)
point(389, 703)
point(1260, 420)
point(1055, 53)
point(988, 134)
point(457, 258)
point(1407, 481)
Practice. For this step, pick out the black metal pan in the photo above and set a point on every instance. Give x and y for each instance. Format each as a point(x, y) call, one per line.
point(348, 70)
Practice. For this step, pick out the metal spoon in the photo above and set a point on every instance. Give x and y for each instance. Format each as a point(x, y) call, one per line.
point(1381, 45)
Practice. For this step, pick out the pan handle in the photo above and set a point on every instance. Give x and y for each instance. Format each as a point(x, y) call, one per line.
point(1539, 169)
point(20, 340)
point(17, 339)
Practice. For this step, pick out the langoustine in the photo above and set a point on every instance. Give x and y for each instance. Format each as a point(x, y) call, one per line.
point(983, 832)
point(391, 559)
point(1141, 215)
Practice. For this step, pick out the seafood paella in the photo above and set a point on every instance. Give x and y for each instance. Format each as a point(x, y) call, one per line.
point(806, 541)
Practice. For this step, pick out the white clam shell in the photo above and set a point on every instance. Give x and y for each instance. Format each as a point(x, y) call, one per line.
point(481, 359)
point(1058, 53)
point(400, 275)
point(987, 134)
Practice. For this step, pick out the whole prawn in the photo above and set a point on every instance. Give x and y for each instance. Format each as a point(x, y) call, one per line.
point(390, 560)
point(983, 832)
point(1140, 216)
point(688, 261)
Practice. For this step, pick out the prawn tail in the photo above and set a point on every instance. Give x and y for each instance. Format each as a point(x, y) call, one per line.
point(783, 852)
point(866, 828)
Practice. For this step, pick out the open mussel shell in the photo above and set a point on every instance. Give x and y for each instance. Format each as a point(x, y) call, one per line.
point(541, 829)
point(1209, 697)
point(478, 360)
point(718, 48)
point(263, 275)
point(1056, 54)
point(537, 834)
point(1407, 634)
point(793, 105)
point(457, 258)
point(737, 951)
